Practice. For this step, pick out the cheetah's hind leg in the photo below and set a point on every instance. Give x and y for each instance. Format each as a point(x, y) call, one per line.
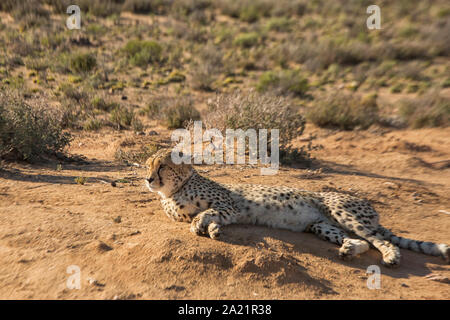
point(349, 247)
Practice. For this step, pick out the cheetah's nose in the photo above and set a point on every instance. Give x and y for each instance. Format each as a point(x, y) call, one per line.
point(150, 180)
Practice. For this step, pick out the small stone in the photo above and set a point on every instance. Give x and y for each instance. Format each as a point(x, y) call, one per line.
point(152, 133)
point(95, 282)
point(118, 219)
point(124, 97)
point(103, 246)
point(404, 285)
point(113, 184)
point(390, 185)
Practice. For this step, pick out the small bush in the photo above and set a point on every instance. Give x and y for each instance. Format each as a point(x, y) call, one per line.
point(77, 107)
point(139, 6)
point(92, 124)
point(141, 53)
point(27, 132)
point(100, 104)
point(82, 62)
point(137, 154)
point(246, 10)
point(280, 24)
point(104, 8)
point(254, 111)
point(178, 115)
point(430, 110)
point(121, 117)
point(246, 40)
point(28, 13)
point(174, 112)
point(344, 111)
point(80, 180)
point(207, 67)
point(283, 82)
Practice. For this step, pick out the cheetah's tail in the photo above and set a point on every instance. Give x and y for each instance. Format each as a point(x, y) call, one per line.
point(429, 248)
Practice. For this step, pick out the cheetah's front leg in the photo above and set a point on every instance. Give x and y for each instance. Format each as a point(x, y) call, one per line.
point(209, 222)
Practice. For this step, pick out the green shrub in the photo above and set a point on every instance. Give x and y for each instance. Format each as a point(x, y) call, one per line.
point(397, 88)
point(246, 10)
point(29, 132)
point(100, 104)
point(343, 110)
point(246, 40)
point(280, 24)
point(80, 180)
point(283, 82)
point(82, 62)
point(139, 6)
point(141, 53)
point(148, 6)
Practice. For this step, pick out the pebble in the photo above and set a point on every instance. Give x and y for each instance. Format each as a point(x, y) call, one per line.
point(95, 282)
point(103, 246)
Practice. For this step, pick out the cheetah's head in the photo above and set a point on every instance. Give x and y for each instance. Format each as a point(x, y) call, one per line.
point(164, 176)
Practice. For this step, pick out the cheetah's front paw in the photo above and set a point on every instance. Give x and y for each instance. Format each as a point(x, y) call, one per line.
point(202, 225)
point(392, 258)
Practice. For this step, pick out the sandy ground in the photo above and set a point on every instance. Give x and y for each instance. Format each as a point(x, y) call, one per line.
point(126, 247)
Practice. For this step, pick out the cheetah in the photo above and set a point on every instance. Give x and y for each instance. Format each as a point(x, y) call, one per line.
point(188, 196)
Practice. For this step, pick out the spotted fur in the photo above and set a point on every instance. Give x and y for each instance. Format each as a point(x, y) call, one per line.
point(187, 196)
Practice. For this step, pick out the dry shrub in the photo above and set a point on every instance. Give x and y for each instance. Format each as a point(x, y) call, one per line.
point(29, 132)
point(207, 67)
point(175, 112)
point(28, 13)
point(429, 110)
point(135, 152)
point(343, 110)
point(255, 111)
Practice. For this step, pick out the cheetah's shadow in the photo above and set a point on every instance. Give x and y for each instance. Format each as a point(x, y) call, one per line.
point(299, 245)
